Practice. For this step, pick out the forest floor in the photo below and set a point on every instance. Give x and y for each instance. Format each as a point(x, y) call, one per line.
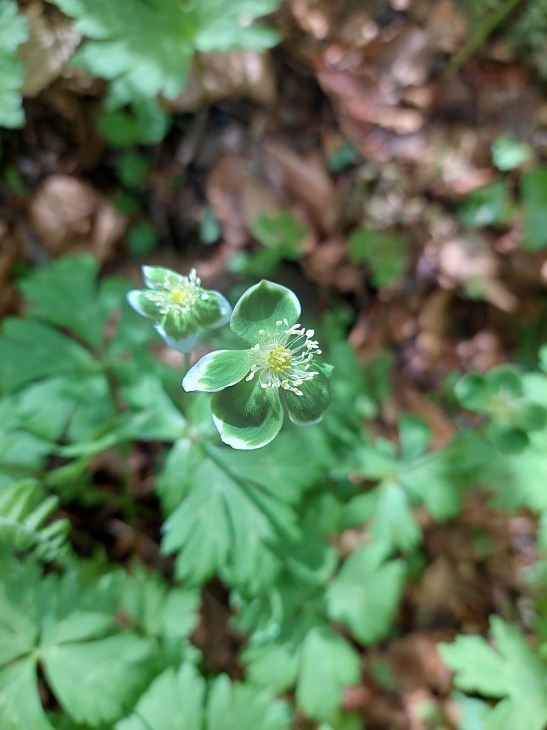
point(368, 116)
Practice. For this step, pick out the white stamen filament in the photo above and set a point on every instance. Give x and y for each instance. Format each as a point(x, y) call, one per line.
point(282, 359)
point(181, 298)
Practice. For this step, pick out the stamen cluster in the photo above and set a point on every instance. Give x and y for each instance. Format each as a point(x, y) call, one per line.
point(282, 359)
point(181, 297)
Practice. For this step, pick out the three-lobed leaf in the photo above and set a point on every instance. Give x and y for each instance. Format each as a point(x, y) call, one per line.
point(68, 631)
point(328, 664)
point(146, 48)
point(366, 593)
point(182, 699)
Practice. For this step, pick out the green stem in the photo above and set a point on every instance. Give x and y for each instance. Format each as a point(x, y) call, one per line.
point(129, 507)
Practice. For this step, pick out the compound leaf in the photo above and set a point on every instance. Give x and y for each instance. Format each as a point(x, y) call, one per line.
point(23, 510)
point(30, 350)
point(366, 593)
point(65, 295)
point(250, 499)
point(327, 665)
point(56, 622)
point(249, 522)
point(181, 700)
point(512, 672)
point(114, 671)
point(146, 48)
point(20, 706)
point(174, 700)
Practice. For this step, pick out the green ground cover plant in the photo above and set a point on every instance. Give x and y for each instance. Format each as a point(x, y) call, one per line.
point(233, 439)
point(253, 518)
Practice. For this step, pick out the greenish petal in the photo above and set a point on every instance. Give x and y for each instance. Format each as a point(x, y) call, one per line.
point(218, 370)
point(206, 309)
point(158, 277)
point(532, 416)
point(261, 307)
point(225, 310)
point(507, 379)
point(308, 408)
point(185, 345)
point(473, 392)
point(178, 326)
point(246, 415)
point(145, 303)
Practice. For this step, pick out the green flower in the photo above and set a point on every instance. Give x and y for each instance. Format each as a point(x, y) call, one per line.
point(252, 388)
point(501, 395)
point(179, 306)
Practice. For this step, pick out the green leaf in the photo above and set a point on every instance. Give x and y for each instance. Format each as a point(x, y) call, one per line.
point(291, 642)
point(18, 630)
point(23, 510)
point(521, 478)
point(20, 706)
point(146, 123)
point(366, 593)
point(114, 672)
point(246, 415)
point(65, 294)
point(533, 189)
point(389, 511)
point(415, 437)
point(218, 370)
point(309, 407)
point(328, 665)
point(173, 700)
point(30, 350)
point(251, 525)
point(406, 480)
point(179, 700)
point(509, 153)
point(491, 205)
point(13, 32)
point(170, 615)
point(281, 233)
point(385, 254)
point(260, 307)
point(279, 466)
point(234, 706)
point(62, 625)
point(223, 25)
point(512, 672)
point(472, 712)
point(146, 48)
point(22, 454)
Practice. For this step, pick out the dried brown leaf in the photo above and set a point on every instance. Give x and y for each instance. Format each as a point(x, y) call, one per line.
point(51, 43)
point(68, 214)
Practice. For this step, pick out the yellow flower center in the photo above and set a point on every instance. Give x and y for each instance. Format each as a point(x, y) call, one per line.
point(282, 359)
point(279, 359)
point(179, 297)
